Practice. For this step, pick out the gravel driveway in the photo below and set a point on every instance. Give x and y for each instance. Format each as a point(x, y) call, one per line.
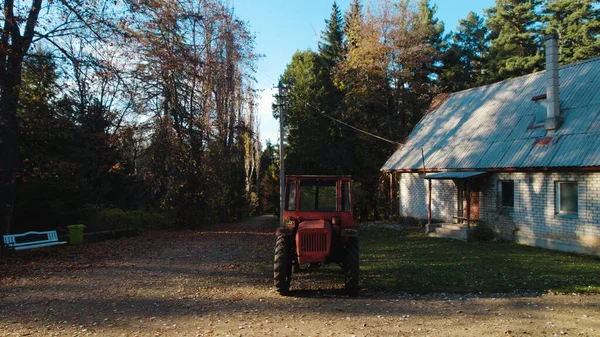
point(217, 282)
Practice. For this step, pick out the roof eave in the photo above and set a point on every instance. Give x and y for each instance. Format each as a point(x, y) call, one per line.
point(505, 169)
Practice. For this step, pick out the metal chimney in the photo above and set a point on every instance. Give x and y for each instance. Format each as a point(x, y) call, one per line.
point(552, 93)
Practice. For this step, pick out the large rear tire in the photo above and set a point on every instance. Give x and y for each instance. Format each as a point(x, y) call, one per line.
point(351, 267)
point(282, 265)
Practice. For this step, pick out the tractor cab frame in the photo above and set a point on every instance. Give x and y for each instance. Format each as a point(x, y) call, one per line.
point(318, 228)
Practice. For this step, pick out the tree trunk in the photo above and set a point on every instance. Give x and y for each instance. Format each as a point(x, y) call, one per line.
point(12, 51)
point(9, 143)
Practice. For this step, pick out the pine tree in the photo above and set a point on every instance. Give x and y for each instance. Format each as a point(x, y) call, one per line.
point(472, 40)
point(516, 38)
point(415, 50)
point(464, 61)
point(332, 53)
point(306, 79)
point(431, 31)
point(577, 24)
point(331, 46)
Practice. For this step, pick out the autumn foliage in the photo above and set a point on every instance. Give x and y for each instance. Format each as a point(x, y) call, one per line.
point(126, 109)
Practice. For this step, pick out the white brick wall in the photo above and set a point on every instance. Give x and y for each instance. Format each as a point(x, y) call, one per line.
point(532, 220)
point(413, 197)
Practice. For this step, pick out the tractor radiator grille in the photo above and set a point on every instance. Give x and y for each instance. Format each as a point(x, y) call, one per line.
point(314, 242)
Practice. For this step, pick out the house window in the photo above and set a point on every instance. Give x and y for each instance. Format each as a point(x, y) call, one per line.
point(566, 197)
point(506, 192)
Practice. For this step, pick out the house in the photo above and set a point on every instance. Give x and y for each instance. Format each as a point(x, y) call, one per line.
point(521, 156)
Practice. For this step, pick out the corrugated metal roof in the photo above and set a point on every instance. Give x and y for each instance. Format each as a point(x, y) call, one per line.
point(454, 175)
point(494, 154)
point(516, 153)
point(577, 146)
point(492, 127)
point(540, 155)
point(592, 157)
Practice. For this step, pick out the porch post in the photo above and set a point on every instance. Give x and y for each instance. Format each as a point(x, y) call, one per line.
point(429, 204)
point(468, 204)
point(391, 214)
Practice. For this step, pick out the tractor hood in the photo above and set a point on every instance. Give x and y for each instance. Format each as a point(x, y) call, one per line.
point(313, 241)
point(314, 224)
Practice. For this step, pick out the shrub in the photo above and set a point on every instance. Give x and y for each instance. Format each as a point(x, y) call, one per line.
point(106, 219)
point(482, 233)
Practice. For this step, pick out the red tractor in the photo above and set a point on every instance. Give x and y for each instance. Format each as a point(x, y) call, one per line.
point(318, 228)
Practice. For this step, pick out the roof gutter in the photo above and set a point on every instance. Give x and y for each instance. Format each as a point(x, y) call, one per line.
point(505, 169)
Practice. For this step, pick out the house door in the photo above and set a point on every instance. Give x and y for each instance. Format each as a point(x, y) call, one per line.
point(474, 205)
point(462, 201)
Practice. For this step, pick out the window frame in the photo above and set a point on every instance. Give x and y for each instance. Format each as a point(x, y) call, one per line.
point(557, 198)
point(501, 191)
point(291, 199)
point(318, 184)
point(344, 196)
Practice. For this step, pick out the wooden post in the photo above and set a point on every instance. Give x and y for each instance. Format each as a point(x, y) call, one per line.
point(468, 196)
point(429, 204)
point(391, 194)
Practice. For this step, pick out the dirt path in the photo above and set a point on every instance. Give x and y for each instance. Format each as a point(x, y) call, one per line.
point(217, 282)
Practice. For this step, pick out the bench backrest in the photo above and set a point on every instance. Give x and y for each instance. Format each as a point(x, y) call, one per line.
point(29, 238)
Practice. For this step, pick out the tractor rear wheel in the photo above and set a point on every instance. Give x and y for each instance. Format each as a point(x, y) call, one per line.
point(282, 265)
point(351, 267)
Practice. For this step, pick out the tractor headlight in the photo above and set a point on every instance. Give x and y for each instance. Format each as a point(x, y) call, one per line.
point(289, 222)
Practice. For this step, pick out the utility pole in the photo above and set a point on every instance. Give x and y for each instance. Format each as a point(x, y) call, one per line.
point(281, 163)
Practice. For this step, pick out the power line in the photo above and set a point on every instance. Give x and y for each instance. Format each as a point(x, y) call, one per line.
point(265, 76)
point(267, 73)
point(353, 127)
point(346, 124)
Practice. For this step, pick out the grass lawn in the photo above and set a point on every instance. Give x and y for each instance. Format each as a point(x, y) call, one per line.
point(412, 262)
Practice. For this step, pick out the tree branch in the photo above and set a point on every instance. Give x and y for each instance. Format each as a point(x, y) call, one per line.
point(81, 18)
point(32, 20)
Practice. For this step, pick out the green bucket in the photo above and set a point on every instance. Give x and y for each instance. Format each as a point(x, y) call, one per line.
point(76, 234)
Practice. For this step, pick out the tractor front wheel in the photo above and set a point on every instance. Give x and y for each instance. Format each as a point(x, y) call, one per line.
point(351, 267)
point(282, 265)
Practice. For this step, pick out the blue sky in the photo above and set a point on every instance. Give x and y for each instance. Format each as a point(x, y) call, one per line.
point(284, 26)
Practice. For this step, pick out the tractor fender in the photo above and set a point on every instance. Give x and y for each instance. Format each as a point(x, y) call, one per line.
point(349, 232)
point(283, 231)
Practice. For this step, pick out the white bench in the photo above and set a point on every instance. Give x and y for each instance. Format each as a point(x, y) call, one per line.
point(31, 240)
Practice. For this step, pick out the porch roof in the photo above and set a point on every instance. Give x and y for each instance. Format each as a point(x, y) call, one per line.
point(454, 175)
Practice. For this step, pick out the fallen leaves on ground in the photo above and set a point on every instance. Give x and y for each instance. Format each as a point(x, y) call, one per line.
point(218, 281)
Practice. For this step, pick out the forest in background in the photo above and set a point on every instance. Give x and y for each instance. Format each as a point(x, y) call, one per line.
point(121, 114)
point(380, 67)
point(129, 113)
